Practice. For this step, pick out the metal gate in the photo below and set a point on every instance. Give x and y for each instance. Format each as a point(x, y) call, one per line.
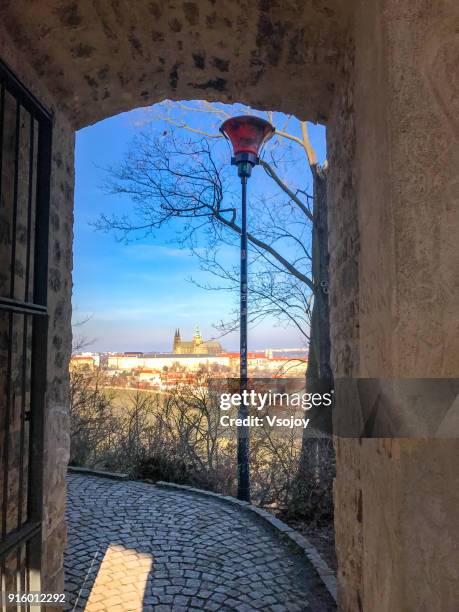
point(25, 161)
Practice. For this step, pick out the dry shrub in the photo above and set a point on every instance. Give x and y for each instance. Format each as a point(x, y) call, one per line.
point(177, 437)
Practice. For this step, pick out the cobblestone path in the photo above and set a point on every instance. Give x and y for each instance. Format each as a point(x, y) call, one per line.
point(133, 546)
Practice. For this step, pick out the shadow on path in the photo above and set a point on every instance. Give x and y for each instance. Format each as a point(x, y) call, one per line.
point(133, 546)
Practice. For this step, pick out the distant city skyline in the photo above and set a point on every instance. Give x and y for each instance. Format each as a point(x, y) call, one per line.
point(133, 296)
point(90, 345)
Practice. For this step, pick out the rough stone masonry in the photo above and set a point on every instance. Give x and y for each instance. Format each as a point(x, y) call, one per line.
point(382, 75)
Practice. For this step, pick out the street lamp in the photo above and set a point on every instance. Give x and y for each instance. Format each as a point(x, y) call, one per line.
point(247, 135)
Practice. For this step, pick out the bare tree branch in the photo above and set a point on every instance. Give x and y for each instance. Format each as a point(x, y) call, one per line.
point(271, 172)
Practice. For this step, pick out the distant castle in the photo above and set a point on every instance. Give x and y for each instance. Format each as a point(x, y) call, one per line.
point(197, 346)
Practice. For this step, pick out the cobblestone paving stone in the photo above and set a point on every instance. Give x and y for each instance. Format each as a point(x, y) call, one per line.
point(134, 546)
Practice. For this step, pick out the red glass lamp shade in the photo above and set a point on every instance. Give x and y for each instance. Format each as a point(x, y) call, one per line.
point(247, 134)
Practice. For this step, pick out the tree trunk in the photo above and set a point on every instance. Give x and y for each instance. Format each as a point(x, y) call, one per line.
point(319, 377)
point(320, 276)
point(312, 495)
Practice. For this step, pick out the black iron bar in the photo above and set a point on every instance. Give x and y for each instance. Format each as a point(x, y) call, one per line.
point(30, 206)
point(22, 430)
point(24, 534)
point(23, 95)
point(39, 331)
point(10, 395)
point(22, 307)
point(2, 124)
point(26, 324)
point(6, 441)
point(15, 202)
point(23, 418)
point(2, 129)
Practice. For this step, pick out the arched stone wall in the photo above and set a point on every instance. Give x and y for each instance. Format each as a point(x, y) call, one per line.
point(102, 58)
point(381, 74)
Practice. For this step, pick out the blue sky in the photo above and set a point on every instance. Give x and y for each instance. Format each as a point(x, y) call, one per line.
point(136, 294)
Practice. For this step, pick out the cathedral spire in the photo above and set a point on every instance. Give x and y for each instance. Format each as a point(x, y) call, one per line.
point(177, 341)
point(197, 338)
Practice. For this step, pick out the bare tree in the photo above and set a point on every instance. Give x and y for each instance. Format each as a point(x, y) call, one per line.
point(170, 178)
point(180, 176)
point(92, 419)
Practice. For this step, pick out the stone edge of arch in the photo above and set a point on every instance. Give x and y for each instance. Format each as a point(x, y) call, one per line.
point(285, 532)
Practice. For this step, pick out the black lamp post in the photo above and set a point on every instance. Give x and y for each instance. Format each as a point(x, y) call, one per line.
point(247, 135)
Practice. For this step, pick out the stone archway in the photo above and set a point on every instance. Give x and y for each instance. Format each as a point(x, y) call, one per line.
point(98, 59)
point(381, 75)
